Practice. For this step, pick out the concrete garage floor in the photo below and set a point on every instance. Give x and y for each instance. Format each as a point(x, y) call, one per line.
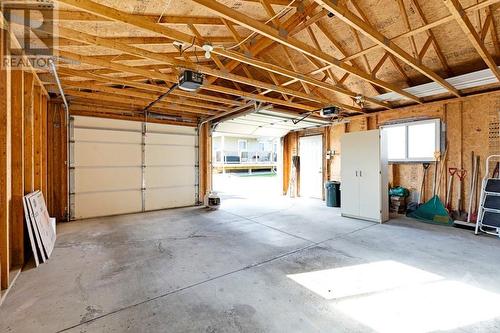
point(241, 269)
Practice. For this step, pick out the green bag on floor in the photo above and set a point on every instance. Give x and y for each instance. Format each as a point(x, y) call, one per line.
point(433, 211)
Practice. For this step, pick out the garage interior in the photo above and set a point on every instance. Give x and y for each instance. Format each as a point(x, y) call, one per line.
point(384, 124)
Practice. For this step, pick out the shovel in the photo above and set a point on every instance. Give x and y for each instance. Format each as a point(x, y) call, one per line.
point(421, 196)
point(452, 172)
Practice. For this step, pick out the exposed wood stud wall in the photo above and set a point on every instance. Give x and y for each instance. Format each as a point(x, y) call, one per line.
point(21, 162)
point(5, 193)
point(28, 133)
point(17, 141)
point(467, 124)
point(56, 157)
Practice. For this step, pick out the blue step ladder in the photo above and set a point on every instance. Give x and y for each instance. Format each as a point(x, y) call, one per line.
point(488, 220)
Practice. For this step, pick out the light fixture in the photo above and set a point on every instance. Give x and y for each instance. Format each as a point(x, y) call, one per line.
point(360, 101)
point(208, 50)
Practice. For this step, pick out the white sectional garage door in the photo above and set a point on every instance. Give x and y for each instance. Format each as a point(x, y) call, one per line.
point(120, 167)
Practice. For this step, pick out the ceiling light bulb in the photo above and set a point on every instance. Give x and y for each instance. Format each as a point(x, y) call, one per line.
point(208, 50)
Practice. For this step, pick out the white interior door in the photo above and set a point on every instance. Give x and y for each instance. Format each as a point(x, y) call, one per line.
point(311, 166)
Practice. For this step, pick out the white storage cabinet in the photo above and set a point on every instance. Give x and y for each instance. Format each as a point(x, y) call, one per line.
point(364, 191)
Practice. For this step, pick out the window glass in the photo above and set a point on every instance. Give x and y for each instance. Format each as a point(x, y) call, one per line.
point(422, 141)
point(396, 137)
point(413, 141)
point(242, 144)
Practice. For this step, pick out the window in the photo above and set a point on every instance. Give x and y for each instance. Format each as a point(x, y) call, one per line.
point(416, 141)
point(242, 145)
point(262, 146)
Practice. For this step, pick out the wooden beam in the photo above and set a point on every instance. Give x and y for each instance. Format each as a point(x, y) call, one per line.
point(429, 32)
point(493, 33)
point(45, 185)
point(130, 117)
point(4, 168)
point(352, 20)
point(262, 44)
point(132, 95)
point(282, 38)
point(17, 166)
point(73, 34)
point(29, 128)
point(190, 107)
point(422, 29)
point(406, 21)
point(463, 21)
point(424, 49)
point(185, 96)
point(37, 139)
point(173, 78)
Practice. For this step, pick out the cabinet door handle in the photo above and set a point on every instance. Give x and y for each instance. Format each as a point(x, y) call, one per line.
point(360, 174)
point(356, 173)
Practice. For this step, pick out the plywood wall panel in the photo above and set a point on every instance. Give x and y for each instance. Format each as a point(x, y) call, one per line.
point(467, 122)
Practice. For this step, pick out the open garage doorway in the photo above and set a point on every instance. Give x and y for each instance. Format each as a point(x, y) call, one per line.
point(311, 166)
point(247, 152)
point(246, 166)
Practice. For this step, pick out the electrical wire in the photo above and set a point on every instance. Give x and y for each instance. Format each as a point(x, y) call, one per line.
point(187, 48)
point(252, 35)
point(164, 10)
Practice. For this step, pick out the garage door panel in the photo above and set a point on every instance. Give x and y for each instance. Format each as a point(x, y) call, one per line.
point(165, 176)
point(170, 155)
point(92, 135)
point(109, 167)
point(107, 154)
point(107, 203)
point(103, 179)
point(171, 129)
point(106, 123)
point(170, 139)
point(169, 197)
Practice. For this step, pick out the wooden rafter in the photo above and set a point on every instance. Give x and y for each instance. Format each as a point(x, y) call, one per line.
point(422, 29)
point(173, 78)
point(493, 33)
point(429, 32)
point(146, 86)
point(291, 42)
point(349, 18)
point(131, 19)
point(73, 34)
point(463, 21)
point(67, 33)
point(406, 22)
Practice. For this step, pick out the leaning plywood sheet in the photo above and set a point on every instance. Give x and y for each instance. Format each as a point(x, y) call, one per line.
point(32, 233)
point(42, 220)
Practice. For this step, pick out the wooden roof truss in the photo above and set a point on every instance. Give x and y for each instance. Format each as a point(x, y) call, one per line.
point(287, 56)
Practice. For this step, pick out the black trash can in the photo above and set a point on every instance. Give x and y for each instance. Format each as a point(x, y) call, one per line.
point(332, 193)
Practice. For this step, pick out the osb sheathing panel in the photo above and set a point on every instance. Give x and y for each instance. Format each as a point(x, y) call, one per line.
point(467, 130)
point(384, 15)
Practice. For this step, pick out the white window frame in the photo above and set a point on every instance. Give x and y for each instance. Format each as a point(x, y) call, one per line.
point(240, 151)
point(437, 144)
